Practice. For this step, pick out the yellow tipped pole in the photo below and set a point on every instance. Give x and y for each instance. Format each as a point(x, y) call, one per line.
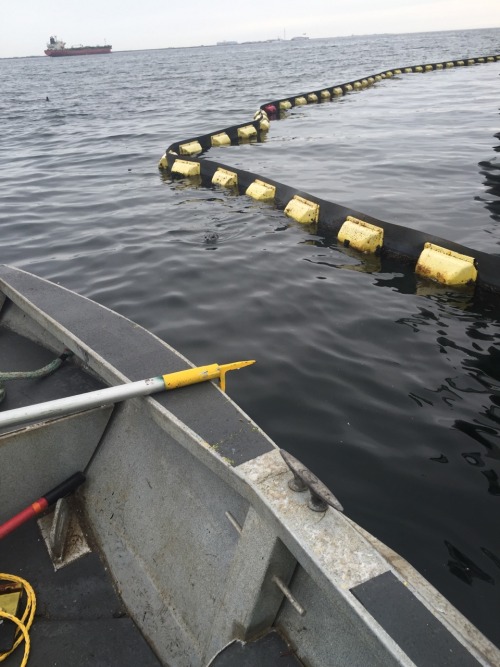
point(202, 374)
point(92, 399)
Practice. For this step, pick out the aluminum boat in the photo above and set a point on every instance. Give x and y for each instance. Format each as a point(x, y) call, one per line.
point(194, 540)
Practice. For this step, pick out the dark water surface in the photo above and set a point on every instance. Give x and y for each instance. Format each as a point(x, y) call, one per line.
point(388, 388)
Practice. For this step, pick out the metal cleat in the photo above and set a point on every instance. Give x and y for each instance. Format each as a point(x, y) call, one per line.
point(304, 479)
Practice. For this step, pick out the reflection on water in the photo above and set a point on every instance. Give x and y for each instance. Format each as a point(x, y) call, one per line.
point(475, 361)
point(464, 568)
point(341, 257)
point(493, 486)
point(490, 169)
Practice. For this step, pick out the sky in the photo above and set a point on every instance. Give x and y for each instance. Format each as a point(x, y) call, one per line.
point(26, 25)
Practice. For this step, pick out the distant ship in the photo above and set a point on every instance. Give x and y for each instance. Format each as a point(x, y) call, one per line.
point(56, 47)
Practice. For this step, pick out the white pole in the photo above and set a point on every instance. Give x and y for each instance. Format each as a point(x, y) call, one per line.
point(92, 399)
point(64, 406)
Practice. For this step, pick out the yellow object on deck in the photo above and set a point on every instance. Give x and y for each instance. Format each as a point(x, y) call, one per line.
point(186, 168)
point(361, 235)
point(191, 148)
point(261, 191)
point(446, 266)
point(302, 210)
point(24, 623)
point(9, 602)
point(225, 177)
point(202, 374)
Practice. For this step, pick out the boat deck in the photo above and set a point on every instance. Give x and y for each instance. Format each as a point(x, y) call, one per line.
point(80, 619)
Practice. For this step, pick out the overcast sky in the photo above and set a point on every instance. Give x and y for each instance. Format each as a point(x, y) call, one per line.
point(26, 25)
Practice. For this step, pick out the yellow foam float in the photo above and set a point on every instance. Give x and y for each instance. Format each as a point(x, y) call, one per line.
point(226, 178)
point(261, 191)
point(186, 168)
point(361, 235)
point(247, 132)
point(191, 148)
point(446, 266)
point(220, 139)
point(302, 210)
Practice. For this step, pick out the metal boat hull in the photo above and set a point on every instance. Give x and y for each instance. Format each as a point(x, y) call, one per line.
point(189, 504)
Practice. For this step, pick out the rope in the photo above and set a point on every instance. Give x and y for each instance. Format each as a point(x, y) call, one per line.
point(31, 375)
point(25, 622)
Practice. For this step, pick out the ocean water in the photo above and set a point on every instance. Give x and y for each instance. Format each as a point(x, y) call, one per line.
point(386, 387)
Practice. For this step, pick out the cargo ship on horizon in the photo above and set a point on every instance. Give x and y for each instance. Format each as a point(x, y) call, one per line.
point(56, 47)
